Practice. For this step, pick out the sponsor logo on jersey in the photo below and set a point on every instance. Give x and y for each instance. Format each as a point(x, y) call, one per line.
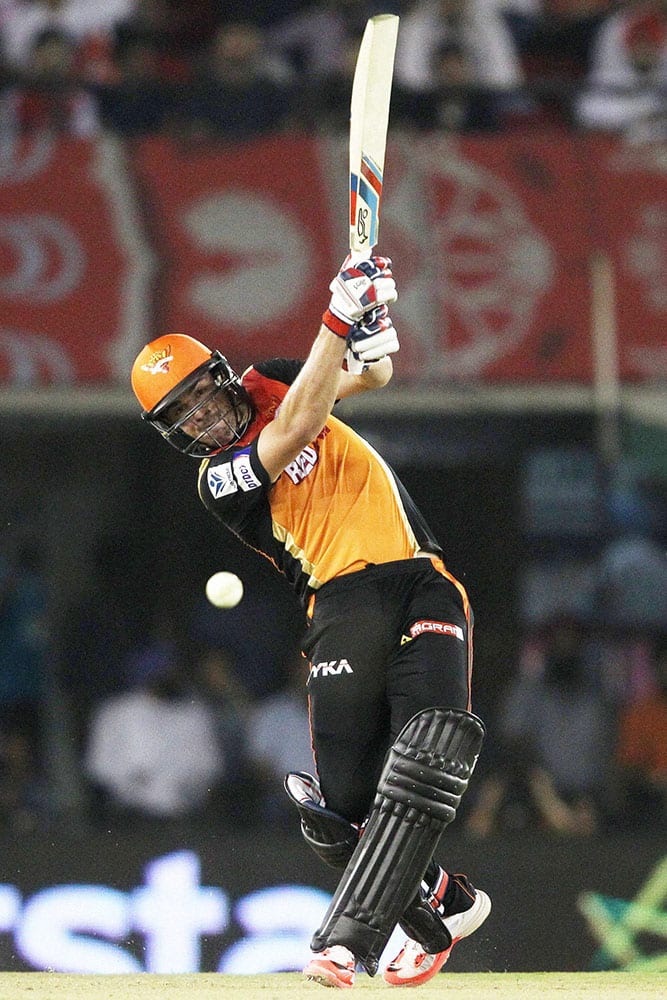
point(232, 476)
point(330, 668)
point(302, 465)
point(243, 471)
point(436, 628)
point(221, 480)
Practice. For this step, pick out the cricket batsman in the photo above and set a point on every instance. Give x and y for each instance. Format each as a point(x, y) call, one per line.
point(394, 739)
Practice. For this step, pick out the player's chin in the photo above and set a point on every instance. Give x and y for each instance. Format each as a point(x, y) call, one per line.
point(221, 439)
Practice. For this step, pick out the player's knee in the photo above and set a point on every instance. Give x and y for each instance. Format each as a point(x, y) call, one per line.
point(430, 764)
point(352, 799)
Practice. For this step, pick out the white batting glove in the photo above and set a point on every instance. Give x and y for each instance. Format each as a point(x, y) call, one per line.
point(374, 337)
point(356, 290)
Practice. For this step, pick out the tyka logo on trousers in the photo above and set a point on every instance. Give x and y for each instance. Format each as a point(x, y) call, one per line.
point(330, 668)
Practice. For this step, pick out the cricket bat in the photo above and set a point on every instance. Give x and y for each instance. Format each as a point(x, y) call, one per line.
point(369, 120)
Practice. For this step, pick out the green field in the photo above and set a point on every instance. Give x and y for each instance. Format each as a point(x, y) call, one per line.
point(461, 986)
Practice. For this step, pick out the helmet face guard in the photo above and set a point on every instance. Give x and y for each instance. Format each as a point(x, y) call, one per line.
point(226, 404)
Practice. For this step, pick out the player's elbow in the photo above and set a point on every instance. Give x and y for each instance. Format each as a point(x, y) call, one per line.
point(305, 426)
point(295, 427)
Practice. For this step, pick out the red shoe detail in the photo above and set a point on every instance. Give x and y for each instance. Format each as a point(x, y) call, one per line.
point(332, 967)
point(413, 966)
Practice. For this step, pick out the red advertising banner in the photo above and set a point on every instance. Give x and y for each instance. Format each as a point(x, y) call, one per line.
point(632, 182)
point(245, 237)
point(71, 287)
point(493, 240)
point(511, 241)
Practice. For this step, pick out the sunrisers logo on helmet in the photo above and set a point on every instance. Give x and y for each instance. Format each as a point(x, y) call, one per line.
point(158, 363)
point(163, 364)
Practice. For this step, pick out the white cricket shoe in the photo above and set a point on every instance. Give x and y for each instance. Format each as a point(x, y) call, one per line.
point(414, 966)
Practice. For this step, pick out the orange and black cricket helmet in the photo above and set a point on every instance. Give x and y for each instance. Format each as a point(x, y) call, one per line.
point(166, 369)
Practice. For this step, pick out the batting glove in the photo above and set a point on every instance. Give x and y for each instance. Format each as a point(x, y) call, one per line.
point(357, 289)
point(373, 337)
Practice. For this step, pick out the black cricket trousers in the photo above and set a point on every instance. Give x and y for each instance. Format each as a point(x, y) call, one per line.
point(383, 644)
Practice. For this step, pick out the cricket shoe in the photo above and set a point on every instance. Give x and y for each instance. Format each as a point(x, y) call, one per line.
point(414, 966)
point(332, 967)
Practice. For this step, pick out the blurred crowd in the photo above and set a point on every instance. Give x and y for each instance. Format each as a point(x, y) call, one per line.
point(196, 716)
point(123, 713)
point(202, 69)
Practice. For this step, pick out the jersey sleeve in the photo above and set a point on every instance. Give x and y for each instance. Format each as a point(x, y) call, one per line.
point(233, 484)
point(279, 369)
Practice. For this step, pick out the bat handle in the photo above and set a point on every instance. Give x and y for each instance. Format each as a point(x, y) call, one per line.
point(354, 365)
point(356, 256)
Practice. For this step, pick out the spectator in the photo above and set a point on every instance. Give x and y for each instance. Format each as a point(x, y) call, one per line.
point(554, 37)
point(257, 657)
point(555, 727)
point(241, 93)
point(188, 25)
point(101, 629)
point(322, 104)
point(174, 30)
point(456, 103)
point(152, 751)
point(642, 747)
point(230, 706)
point(626, 88)
point(265, 13)
point(82, 21)
point(52, 98)
point(23, 652)
point(632, 579)
point(279, 739)
point(475, 26)
point(317, 42)
point(320, 44)
point(140, 100)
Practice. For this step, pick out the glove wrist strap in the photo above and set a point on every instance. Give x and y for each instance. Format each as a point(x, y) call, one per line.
point(336, 325)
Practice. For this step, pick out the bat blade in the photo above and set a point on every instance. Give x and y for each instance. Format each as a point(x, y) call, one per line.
point(369, 120)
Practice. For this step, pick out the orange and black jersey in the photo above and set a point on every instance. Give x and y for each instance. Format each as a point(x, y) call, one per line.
point(337, 508)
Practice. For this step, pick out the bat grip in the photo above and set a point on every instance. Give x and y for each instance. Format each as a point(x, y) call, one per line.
point(356, 256)
point(354, 365)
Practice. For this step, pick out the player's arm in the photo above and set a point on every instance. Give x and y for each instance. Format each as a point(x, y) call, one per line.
point(356, 310)
point(306, 406)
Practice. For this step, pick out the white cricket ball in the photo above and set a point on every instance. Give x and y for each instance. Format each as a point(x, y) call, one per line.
point(224, 590)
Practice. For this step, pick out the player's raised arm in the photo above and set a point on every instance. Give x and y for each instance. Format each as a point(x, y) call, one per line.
point(374, 376)
point(356, 317)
